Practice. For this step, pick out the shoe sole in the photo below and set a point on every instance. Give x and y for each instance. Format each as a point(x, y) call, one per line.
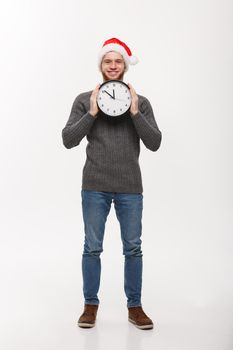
point(86, 325)
point(146, 326)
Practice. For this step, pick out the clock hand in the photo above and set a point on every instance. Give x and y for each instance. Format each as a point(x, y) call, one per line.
point(113, 94)
point(108, 93)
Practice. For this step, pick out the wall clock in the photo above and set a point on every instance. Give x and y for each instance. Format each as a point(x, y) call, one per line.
point(114, 98)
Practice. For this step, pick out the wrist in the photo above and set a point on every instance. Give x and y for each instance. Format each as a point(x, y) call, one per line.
point(134, 112)
point(93, 114)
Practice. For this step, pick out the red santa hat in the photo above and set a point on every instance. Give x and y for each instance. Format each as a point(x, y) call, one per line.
point(115, 44)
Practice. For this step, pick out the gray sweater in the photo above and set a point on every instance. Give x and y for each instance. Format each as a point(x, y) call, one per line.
point(112, 162)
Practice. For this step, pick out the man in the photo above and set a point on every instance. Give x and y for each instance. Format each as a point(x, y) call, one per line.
point(112, 174)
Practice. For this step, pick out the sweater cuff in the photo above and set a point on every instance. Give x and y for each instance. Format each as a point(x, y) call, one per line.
point(136, 116)
point(139, 122)
point(90, 116)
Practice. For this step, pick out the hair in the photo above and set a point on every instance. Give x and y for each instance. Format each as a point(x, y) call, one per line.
point(105, 78)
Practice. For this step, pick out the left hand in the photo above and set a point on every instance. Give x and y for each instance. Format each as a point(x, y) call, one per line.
point(134, 104)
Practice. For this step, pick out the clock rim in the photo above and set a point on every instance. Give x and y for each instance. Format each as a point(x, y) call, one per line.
point(113, 81)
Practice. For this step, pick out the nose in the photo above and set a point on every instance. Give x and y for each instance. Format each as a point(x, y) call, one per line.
point(113, 65)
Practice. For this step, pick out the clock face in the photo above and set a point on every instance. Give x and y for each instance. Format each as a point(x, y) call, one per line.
point(114, 98)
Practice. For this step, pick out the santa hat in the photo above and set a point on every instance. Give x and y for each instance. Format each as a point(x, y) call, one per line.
point(115, 44)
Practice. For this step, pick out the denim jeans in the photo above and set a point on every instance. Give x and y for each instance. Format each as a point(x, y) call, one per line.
point(128, 207)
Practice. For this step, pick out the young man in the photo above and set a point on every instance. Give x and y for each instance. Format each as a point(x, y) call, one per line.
point(112, 174)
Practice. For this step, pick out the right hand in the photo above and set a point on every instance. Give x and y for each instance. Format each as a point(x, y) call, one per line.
point(93, 104)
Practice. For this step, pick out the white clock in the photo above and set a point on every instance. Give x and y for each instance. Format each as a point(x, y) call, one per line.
point(114, 98)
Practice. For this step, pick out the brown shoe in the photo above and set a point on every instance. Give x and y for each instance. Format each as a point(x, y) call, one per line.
point(138, 317)
point(88, 317)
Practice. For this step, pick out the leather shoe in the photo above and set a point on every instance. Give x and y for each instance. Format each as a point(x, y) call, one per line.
point(88, 317)
point(137, 316)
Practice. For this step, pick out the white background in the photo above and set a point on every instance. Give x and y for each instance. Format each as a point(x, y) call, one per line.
point(48, 56)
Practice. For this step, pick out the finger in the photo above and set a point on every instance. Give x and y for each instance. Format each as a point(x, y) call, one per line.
point(97, 89)
point(132, 89)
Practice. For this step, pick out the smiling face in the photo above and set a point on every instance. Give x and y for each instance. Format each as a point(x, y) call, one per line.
point(113, 66)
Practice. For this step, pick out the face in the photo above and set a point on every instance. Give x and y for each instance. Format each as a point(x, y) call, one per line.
point(113, 66)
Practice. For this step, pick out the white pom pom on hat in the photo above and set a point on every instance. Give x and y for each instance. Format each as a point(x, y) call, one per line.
point(117, 45)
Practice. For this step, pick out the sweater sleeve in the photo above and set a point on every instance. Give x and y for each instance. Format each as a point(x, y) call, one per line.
point(146, 126)
point(78, 125)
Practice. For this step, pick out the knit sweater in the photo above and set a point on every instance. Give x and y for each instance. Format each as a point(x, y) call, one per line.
point(113, 148)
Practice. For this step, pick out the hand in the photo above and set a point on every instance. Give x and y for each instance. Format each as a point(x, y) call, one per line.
point(134, 103)
point(93, 104)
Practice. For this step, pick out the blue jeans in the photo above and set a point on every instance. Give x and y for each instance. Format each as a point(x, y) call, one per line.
point(128, 208)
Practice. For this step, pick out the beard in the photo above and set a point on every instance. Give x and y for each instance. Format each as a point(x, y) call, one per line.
point(105, 78)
